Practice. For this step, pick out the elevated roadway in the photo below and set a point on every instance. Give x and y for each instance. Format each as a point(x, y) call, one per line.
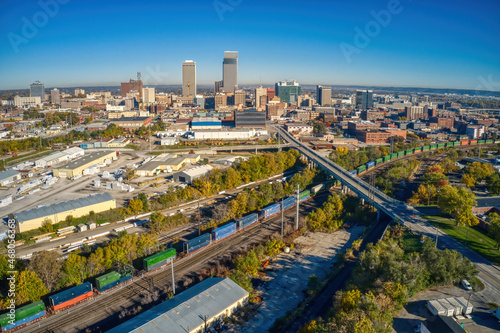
point(399, 211)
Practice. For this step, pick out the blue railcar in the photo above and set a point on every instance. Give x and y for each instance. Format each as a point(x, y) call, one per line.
point(141, 222)
point(23, 321)
point(353, 172)
point(67, 296)
point(117, 282)
point(271, 210)
point(247, 221)
point(289, 202)
point(197, 243)
point(224, 231)
point(370, 165)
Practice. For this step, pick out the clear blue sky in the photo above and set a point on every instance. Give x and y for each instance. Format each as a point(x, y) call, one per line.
point(428, 43)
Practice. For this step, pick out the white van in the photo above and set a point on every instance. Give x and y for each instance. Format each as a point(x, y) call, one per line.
point(466, 285)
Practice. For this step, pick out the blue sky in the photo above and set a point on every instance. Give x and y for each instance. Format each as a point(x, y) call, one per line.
point(427, 43)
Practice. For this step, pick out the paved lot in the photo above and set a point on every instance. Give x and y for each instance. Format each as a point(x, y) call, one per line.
point(416, 311)
point(289, 273)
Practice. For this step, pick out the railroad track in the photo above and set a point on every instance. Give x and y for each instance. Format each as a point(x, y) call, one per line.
point(104, 308)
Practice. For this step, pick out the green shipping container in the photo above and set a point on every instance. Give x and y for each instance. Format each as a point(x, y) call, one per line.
point(387, 158)
point(106, 279)
point(481, 141)
point(456, 143)
point(441, 145)
point(419, 149)
point(379, 160)
point(489, 141)
point(449, 144)
point(401, 153)
point(23, 312)
point(434, 146)
point(361, 168)
point(393, 156)
point(304, 194)
point(426, 148)
point(409, 152)
point(154, 259)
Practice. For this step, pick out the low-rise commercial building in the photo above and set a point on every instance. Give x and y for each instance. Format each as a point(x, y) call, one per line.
point(78, 166)
point(299, 128)
point(252, 119)
point(228, 135)
point(34, 218)
point(132, 123)
point(378, 137)
point(193, 310)
point(166, 162)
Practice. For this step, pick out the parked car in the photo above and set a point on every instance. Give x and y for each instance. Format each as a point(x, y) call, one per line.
point(466, 285)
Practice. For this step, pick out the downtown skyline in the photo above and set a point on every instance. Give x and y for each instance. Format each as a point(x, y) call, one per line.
point(418, 44)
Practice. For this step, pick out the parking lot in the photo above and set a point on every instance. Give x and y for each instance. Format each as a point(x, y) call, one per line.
point(415, 311)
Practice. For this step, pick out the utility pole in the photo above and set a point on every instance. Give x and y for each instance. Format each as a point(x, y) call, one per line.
point(282, 208)
point(173, 280)
point(297, 217)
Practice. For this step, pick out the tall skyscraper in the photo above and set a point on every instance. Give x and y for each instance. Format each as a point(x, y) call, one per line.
point(148, 95)
point(37, 89)
point(230, 71)
point(218, 86)
point(55, 96)
point(288, 91)
point(259, 93)
point(324, 95)
point(188, 78)
point(364, 99)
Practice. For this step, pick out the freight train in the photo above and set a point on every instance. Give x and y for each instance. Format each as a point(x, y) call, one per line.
point(72, 296)
point(363, 168)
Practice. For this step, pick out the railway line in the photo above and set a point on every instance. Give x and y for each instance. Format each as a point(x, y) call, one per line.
point(96, 314)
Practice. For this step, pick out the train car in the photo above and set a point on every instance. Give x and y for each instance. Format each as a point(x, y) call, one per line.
point(288, 203)
point(417, 150)
point(401, 153)
point(370, 165)
point(316, 189)
point(198, 242)
point(409, 152)
point(352, 172)
point(489, 141)
point(379, 160)
point(473, 142)
point(304, 195)
point(224, 231)
point(160, 259)
point(270, 210)
point(434, 147)
point(248, 220)
point(497, 141)
point(449, 144)
point(393, 156)
point(22, 316)
point(141, 222)
point(387, 158)
point(106, 279)
point(441, 145)
point(456, 143)
point(113, 284)
point(464, 142)
point(425, 148)
point(71, 296)
point(481, 142)
point(361, 169)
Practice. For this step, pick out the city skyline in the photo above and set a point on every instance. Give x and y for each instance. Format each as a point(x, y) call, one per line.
point(403, 44)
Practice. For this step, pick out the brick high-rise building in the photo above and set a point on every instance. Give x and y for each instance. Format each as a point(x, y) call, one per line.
point(130, 86)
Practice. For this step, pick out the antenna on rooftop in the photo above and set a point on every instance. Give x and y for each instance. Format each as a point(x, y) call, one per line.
point(139, 76)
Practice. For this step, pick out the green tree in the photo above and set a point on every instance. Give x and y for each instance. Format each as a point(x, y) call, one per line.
point(457, 202)
point(145, 202)
point(135, 206)
point(493, 184)
point(47, 266)
point(75, 269)
point(494, 228)
point(29, 287)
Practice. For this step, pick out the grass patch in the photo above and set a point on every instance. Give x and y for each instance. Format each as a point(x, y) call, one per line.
point(493, 306)
point(20, 158)
point(476, 284)
point(410, 242)
point(476, 240)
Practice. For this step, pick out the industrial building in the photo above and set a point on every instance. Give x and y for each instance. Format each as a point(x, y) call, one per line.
point(250, 119)
point(188, 176)
point(206, 123)
point(9, 176)
point(193, 310)
point(228, 135)
point(34, 218)
point(131, 123)
point(166, 162)
point(59, 157)
point(78, 166)
point(299, 128)
point(231, 160)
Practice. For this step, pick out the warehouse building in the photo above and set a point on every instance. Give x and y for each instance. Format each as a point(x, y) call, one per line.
point(9, 176)
point(193, 310)
point(132, 123)
point(250, 119)
point(188, 176)
point(78, 166)
point(166, 162)
point(34, 218)
point(59, 157)
point(206, 123)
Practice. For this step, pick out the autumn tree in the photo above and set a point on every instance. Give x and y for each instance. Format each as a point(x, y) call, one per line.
point(48, 268)
point(135, 206)
point(75, 269)
point(29, 287)
point(494, 228)
point(457, 202)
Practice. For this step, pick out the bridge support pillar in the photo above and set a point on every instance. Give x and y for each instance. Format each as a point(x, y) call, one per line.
point(362, 201)
point(255, 151)
point(378, 215)
point(231, 150)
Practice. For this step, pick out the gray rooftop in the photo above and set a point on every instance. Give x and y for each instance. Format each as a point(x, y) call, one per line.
point(8, 174)
point(40, 212)
point(85, 160)
point(187, 309)
point(488, 202)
